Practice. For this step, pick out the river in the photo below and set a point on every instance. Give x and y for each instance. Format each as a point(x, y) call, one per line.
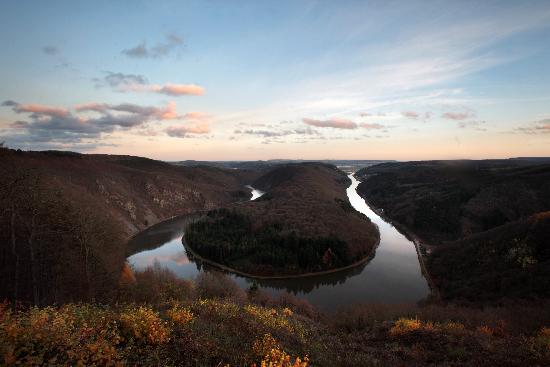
point(392, 276)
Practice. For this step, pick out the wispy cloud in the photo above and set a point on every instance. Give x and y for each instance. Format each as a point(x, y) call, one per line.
point(536, 128)
point(197, 116)
point(333, 123)
point(168, 89)
point(428, 55)
point(50, 50)
point(142, 51)
point(372, 126)
point(410, 115)
point(200, 122)
point(477, 125)
point(37, 109)
point(458, 116)
point(276, 133)
point(184, 131)
point(122, 82)
point(413, 115)
point(119, 81)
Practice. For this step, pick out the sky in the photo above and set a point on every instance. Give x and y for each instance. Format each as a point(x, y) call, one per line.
point(249, 80)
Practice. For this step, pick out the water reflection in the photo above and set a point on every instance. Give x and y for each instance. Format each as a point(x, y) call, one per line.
point(392, 276)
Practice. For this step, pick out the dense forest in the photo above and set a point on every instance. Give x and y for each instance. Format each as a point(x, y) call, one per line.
point(484, 223)
point(231, 238)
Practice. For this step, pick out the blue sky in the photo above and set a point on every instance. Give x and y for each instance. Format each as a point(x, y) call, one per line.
point(287, 79)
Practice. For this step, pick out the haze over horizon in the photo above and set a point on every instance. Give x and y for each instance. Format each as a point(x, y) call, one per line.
point(213, 80)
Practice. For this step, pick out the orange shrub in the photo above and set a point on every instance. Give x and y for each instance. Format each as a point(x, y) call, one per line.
point(180, 315)
point(71, 335)
point(279, 358)
point(262, 347)
point(145, 325)
point(273, 355)
point(404, 326)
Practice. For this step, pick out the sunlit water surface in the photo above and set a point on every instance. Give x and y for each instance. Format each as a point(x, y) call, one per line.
point(392, 276)
point(255, 192)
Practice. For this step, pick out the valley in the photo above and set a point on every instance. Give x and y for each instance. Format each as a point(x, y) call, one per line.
point(395, 256)
point(391, 276)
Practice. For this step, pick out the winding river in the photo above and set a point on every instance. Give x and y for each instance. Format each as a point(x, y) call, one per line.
point(392, 276)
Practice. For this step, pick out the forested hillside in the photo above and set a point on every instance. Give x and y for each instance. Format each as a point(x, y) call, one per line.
point(66, 217)
point(304, 223)
point(484, 223)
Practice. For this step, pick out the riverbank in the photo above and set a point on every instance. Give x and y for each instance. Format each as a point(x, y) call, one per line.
point(419, 244)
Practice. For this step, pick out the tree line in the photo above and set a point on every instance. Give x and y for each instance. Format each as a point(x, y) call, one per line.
point(234, 239)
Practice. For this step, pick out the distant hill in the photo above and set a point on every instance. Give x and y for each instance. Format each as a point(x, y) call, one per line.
point(67, 217)
point(480, 219)
point(346, 165)
point(303, 223)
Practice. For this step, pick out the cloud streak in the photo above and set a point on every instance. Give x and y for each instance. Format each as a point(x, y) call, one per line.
point(161, 49)
point(37, 110)
point(274, 133)
point(169, 89)
point(184, 131)
point(50, 50)
point(119, 80)
point(123, 83)
point(410, 115)
point(458, 116)
point(536, 128)
point(332, 123)
point(372, 126)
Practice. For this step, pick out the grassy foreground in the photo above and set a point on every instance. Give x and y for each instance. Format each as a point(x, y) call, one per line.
point(213, 323)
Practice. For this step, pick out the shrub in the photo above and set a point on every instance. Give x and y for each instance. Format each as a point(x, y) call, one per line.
point(154, 285)
point(214, 284)
point(144, 325)
point(404, 326)
point(180, 315)
point(273, 356)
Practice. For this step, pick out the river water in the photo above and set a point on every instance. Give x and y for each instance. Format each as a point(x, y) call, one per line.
point(255, 192)
point(392, 276)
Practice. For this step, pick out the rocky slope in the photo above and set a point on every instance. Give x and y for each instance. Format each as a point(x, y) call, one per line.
point(137, 191)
